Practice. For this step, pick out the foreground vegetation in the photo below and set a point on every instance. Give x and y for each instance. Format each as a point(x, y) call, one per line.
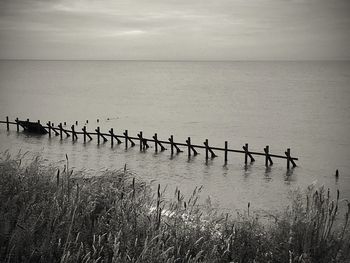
point(52, 216)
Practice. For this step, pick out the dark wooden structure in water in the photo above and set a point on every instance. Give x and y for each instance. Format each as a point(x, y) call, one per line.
point(144, 143)
point(32, 127)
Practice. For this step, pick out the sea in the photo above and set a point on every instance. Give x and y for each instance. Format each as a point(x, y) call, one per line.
point(301, 105)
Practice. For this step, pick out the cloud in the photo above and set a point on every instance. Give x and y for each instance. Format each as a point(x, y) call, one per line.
point(205, 29)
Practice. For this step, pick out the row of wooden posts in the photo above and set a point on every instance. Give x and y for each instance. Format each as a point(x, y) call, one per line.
point(158, 144)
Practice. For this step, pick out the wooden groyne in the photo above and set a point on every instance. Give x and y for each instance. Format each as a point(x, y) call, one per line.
point(144, 143)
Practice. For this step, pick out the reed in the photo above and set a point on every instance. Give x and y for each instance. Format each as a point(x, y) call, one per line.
point(57, 215)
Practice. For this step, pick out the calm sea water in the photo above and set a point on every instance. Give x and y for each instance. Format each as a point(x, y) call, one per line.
point(299, 105)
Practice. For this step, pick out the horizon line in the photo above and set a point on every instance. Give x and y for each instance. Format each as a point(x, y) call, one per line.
point(180, 60)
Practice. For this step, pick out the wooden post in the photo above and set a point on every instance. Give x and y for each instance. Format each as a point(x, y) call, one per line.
point(73, 134)
point(171, 139)
point(288, 158)
point(266, 156)
point(84, 130)
point(226, 146)
point(268, 160)
point(247, 153)
point(64, 123)
point(17, 124)
point(189, 146)
point(155, 142)
point(126, 139)
point(98, 135)
point(141, 140)
point(60, 126)
point(206, 149)
point(87, 121)
point(86, 134)
point(112, 137)
point(76, 123)
point(7, 123)
point(49, 125)
point(172, 144)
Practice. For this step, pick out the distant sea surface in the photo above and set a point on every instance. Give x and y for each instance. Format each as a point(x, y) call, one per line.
point(304, 106)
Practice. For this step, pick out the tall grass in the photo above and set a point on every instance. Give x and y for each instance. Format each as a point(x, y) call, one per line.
point(53, 215)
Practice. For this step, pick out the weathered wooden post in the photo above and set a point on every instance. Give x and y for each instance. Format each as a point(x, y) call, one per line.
point(155, 137)
point(141, 140)
point(189, 146)
point(76, 123)
point(86, 134)
point(288, 158)
point(226, 146)
point(156, 143)
point(112, 137)
point(84, 130)
point(126, 139)
point(7, 123)
point(72, 128)
point(17, 124)
point(246, 153)
point(206, 150)
point(172, 144)
point(98, 134)
point(60, 126)
point(49, 126)
point(268, 160)
point(38, 127)
point(74, 135)
point(64, 123)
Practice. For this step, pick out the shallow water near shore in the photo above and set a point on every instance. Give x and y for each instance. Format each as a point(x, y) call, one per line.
point(299, 105)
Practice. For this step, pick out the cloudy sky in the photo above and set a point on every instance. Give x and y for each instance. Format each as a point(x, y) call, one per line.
point(175, 29)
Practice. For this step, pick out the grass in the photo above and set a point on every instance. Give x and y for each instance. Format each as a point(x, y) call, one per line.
point(53, 215)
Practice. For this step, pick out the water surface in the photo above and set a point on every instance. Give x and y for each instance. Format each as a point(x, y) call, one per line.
point(299, 105)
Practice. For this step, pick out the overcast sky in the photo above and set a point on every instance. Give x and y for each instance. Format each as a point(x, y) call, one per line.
point(175, 29)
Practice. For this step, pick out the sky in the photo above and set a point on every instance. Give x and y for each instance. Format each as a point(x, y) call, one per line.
point(175, 29)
